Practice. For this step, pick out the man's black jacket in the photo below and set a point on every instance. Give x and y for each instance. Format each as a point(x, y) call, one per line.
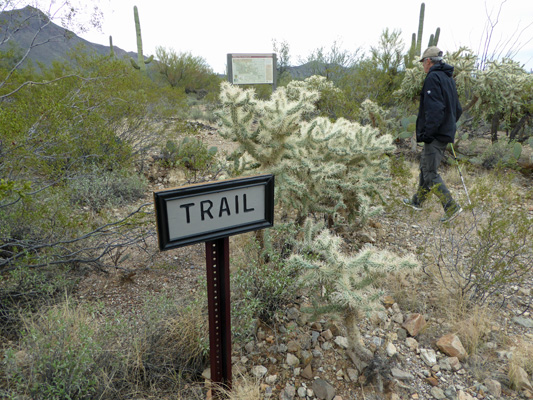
point(439, 106)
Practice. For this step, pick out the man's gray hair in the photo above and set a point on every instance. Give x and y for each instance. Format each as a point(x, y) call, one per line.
point(435, 60)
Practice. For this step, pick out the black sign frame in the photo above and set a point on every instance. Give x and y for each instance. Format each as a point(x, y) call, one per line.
point(162, 197)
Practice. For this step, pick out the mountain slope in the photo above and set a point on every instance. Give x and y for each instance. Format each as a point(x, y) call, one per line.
point(30, 28)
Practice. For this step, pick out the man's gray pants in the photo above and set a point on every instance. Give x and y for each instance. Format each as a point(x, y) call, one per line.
point(432, 155)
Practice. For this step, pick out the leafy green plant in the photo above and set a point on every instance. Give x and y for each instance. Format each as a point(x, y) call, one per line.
point(192, 156)
point(263, 282)
point(499, 154)
point(483, 254)
point(57, 358)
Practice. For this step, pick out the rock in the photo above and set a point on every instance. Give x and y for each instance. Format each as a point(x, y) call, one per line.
point(521, 379)
point(352, 374)
point(437, 393)
point(525, 322)
point(307, 372)
point(411, 343)
point(259, 371)
point(391, 349)
point(292, 360)
point(316, 326)
point(306, 357)
point(414, 324)
point(323, 389)
point(388, 301)
point(432, 381)
point(302, 392)
point(451, 346)
point(335, 328)
point(293, 346)
point(398, 318)
point(327, 335)
point(454, 363)
point(401, 333)
point(271, 379)
point(494, 387)
point(428, 356)
point(463, 396)
point(341, 341)
point(401, 375)
point(288, 392)
point(293, 313)
point(249, 347)
point(207, 374)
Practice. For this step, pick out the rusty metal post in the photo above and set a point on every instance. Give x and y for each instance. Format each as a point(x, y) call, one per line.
point(218, 299)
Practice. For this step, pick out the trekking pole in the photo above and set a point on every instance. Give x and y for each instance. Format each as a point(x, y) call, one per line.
point(460, 174)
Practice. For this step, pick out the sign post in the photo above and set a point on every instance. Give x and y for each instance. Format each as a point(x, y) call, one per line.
point(211, 213)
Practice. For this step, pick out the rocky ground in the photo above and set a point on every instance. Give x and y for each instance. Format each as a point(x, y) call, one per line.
point(417, 354)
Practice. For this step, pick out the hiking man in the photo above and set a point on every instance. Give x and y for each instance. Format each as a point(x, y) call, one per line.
point(438, 114)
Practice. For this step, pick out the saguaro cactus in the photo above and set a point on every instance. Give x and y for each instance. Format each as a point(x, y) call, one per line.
point(420, 29)
point(416, 42)
point(141, 62)
point(434, 38)
point(111, 48)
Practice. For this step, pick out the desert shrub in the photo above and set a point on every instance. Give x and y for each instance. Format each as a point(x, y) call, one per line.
point(57, 355)
point(171, 344)
point(98, 189)
point(263, 283)
point(192, 156)
point(499, 154)
point(24, 290)
point(481, 255)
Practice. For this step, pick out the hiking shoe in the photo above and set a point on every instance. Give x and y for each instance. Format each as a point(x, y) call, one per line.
point(409, 203)
point(451, 214)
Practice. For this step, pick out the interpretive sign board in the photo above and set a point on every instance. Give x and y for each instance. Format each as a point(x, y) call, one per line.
point(252, 69)
point(204, 212)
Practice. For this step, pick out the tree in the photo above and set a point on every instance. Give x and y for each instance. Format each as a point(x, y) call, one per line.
point(185, 71)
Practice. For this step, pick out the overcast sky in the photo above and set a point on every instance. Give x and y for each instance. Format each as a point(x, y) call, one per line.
point(213, 28)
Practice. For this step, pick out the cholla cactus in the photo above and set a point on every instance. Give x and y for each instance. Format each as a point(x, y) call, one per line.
point(344, 280)
point(320, 166)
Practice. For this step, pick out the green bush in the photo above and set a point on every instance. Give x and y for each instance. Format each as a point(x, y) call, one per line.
point(192, 156)
point(263, 283)
point(98, 189)
point(57, 356)
point(499, 154)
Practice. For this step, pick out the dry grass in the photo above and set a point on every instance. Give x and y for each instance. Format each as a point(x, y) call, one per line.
point(522, 360)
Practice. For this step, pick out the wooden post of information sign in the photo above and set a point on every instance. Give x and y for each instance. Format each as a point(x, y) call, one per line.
point(210, 213)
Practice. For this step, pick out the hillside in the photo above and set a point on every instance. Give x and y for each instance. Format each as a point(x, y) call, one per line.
point(31, 28)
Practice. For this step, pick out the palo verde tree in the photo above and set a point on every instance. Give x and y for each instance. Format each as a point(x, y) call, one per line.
point(185, 71)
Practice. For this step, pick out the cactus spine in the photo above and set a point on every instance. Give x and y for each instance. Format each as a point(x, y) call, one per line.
point(141, 62)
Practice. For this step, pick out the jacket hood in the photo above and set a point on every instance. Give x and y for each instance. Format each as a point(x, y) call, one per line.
point(446, 68)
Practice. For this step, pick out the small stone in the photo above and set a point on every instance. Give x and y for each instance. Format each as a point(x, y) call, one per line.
point(302, 392)
point(327, 335)
point(451, 346)
point(259, 371)
point(293, 313)
point(401, 375)
point(521, 379)
point(391, 349)
point(525, 322)
point(307, 372)
point(271, 379)
point(437, 393)
point(432, 381)
point(292, 360)
point(352, 374)
point(494, 387)
point(288, 392)
point(411, 343)
point(388, 301)
point(341, 341)
point(323, 389)
point(428, 356)
point(414, 324)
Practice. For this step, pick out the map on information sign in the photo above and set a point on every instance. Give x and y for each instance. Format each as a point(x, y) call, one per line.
point(252, 69)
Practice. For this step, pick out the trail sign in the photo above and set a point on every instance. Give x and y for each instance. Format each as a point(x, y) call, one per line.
point(252, 68)
point(199, 213)
point(210, 213)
